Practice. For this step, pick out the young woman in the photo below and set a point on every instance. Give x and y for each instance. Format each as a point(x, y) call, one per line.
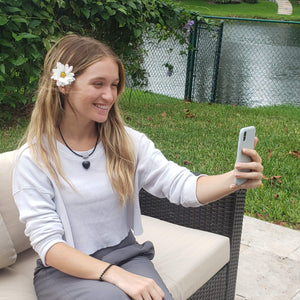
point(77, 179)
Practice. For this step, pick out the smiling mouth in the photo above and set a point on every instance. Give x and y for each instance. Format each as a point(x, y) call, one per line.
point(105, 107)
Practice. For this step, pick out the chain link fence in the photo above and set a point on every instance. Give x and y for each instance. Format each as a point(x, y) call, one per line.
point(165, 65)
point(203, 63)
point(237, 61)
point(259, 63)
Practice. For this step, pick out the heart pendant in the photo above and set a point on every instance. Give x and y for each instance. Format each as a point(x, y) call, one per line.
point(86, 164)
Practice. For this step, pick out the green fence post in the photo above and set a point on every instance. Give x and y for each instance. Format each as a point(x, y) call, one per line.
point(190, 63)
point(217, 63)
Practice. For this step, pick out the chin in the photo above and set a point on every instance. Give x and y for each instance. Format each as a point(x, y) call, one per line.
point(101, 120)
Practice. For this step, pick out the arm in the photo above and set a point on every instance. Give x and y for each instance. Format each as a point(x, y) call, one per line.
point(212, 188)
point(75, 263)
point(33, 193)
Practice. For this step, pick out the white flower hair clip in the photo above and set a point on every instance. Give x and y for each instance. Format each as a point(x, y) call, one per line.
point(63, 74)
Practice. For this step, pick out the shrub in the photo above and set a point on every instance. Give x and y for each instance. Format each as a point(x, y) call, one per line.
point(251, 1)
point(28, 29)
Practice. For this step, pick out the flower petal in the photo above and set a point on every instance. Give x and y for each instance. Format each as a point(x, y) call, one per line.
point(68, 77)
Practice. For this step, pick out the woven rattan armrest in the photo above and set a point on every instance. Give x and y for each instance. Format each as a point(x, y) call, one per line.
point(224, 217)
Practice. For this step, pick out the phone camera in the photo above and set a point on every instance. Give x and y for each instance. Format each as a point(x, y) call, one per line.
point(244, 137)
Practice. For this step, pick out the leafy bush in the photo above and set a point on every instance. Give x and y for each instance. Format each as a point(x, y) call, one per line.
point(28, 29)
point(222, 1)
point(251, 1)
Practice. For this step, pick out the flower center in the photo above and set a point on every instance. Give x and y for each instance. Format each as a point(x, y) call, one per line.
point(63, 74)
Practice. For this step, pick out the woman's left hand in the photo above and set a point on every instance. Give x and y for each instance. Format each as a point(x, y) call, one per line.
point(256, 168)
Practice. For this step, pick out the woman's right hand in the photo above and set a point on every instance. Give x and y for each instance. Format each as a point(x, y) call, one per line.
point(136, 286)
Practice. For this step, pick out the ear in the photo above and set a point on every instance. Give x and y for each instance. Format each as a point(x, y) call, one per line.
point(62, 89)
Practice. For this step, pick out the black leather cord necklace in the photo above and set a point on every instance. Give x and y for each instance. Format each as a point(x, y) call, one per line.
point(86, 163)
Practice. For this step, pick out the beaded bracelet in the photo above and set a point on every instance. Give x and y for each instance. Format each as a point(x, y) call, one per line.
point(100, 278)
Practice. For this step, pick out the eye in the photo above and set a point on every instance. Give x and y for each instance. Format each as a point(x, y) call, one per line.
point(98, 84)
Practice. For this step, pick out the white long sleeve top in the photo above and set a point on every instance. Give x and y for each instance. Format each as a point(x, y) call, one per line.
point(93, 218)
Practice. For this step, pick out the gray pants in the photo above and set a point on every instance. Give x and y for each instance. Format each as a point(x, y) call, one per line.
point(51, 284)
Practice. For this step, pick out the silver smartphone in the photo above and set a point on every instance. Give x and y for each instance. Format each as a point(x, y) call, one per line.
point(246, 140)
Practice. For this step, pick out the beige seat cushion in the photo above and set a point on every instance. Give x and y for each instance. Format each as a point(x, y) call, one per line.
point(8, 209)
point(8, 253)
point(16, 280)
point(185, 258)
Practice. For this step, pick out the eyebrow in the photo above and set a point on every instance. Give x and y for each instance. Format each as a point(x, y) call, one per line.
point(103, 78)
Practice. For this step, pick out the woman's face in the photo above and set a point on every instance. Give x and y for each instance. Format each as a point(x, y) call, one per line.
point(93, 93)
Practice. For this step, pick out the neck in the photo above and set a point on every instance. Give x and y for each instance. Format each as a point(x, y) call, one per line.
point(79, 138)
point(79, 131)
point(86, 163)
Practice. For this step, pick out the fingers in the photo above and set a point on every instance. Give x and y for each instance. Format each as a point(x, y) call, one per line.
point(140, 287)
point(253, 178)
point(255, 141)
point(152, 291)
point(254, 166)
point(250, 167)
point(252, 171)
point(252, 154)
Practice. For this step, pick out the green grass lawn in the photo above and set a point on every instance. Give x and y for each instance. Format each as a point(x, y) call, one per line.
point(260, 10)
point(203, 138)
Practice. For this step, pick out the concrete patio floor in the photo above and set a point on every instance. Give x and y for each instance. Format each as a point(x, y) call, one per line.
point(269, 264)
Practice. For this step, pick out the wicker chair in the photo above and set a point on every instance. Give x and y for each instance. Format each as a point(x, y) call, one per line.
point(223, 217)
point(17, 259)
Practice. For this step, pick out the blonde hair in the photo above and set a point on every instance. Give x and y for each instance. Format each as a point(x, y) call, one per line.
point(79, 52)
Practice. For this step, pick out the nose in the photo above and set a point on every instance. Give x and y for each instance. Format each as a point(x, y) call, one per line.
point(108, 93)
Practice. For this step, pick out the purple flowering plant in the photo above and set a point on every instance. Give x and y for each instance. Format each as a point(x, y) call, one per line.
point(170, 69)
point(188, 26)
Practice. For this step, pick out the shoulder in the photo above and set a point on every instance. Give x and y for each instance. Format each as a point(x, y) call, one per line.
point(24, 159)
point(140, 140)
point(23, 153)
point(144, 147)
point(29, 174)
point(135, 135)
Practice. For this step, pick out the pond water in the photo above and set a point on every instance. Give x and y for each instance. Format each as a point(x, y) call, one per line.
point(259, 65)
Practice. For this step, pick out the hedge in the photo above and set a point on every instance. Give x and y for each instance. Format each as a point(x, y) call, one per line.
point(29, 28)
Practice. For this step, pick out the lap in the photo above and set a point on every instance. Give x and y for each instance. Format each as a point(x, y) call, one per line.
point(51, 284)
